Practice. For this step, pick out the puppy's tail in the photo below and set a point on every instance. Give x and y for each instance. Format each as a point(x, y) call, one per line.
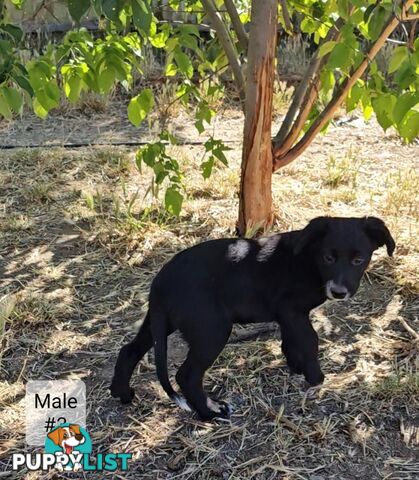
point(159, 332)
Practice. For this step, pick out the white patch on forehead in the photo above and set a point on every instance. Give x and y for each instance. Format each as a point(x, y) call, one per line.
point(268, 245)
point(238, 250)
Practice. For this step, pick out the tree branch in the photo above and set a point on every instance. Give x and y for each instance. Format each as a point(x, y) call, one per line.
point(411, 39)
point(305, 96)
point(406, 16)
point(237, 24)
point(227, 44)
point(340, 95)
point(287, 20)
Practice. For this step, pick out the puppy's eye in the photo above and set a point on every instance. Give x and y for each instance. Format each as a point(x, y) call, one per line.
point(357, 261)
point(329, 258)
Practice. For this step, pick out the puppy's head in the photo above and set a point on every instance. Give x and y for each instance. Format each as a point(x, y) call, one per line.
point(342, 249)
point(67, 437)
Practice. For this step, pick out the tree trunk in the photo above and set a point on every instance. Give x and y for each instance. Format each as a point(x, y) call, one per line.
point(255, 210)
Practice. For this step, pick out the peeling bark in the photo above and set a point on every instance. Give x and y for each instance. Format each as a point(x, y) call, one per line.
point(255, 210)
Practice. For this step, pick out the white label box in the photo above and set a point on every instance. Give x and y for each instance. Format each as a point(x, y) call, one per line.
point(51, 402)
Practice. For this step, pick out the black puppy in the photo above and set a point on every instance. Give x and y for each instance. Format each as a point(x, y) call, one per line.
point(203, 290)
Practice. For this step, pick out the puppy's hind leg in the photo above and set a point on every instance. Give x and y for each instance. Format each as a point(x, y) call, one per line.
point(202, 354)
point(128, 358)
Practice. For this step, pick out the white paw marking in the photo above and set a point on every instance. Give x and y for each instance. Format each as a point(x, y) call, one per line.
point(218, 408)
point(182, 403)
point(214, 406)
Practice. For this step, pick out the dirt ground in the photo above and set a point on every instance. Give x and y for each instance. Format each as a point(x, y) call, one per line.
point(81, 240)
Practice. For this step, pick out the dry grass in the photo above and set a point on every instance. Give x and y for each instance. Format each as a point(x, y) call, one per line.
point(293, 55)
point(281, 98)
point(78, 255)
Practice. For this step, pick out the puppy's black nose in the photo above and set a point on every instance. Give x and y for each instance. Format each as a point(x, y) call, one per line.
point(339, 293)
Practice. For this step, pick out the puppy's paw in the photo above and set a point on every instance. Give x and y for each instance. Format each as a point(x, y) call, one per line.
point(125, 395)
point(313, 374)
point(220, 408)
point(314, 382)
point(295, 369)
point(181, 402)
point(226, 409)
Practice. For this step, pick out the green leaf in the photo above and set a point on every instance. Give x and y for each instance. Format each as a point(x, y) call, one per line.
point(142, 15)
point(77, 8)
point(18, 3)
point(53, 92)
point(406, 75)
point(199, 125)
point(189, 30)
point(37, 78)
point(349, 37)
point(376, 22)
point(207, 167)
point(409, 129)
point(23, 83)
point(39, 109)
point(405, 102)
point(327, 80)
point(119, 66)
point(204, 113)
point(173, 201)
point(171, 70)
point(308, 25)
point(5, 110)
point(184, 63)
point(112, 9)
point(168, 137)
point(160, 39)
point(140, 106)
point(5, 47)
point(73, 87)
point(106, 79)
point(326, 48)
point(383, 108)
point(354, 97)
point(160, 172)
point(189, 41)
point(368, 111)
point(343, 8)
point(368, 12)
point(13, 98)
point(341, 57)
point(13, 31)
point(397, 58)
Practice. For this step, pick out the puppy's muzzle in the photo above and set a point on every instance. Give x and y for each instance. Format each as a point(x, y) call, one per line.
point(335, 291)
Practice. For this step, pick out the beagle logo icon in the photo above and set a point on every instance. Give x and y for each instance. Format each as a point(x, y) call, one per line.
point(68, 448)
point(68, 443)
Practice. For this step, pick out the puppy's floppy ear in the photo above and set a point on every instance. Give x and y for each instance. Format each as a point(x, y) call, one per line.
point(313, 231)
point(75, 429)
point(56, 436)
point(379, 234)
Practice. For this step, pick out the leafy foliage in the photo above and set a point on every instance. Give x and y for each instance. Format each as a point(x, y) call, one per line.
point(83, 62)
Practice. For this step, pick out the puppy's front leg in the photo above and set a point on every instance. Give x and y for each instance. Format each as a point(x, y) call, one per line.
point(300, 345)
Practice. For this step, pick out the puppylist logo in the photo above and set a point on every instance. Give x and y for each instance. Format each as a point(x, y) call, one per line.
point(68, 448)
point(56, 421)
